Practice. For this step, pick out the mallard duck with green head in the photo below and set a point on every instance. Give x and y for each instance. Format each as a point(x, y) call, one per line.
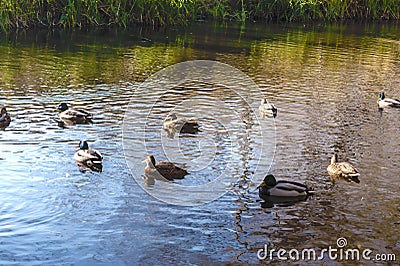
point(73, 116)
point(174, 124)
point(86, 158)
point(387, 102)
point(163, 170)
point(5, 118)
point(342, 170)
point(267, 109)
point(288, 189)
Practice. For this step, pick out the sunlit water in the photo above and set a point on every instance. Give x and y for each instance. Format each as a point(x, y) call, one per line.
point(324, 81)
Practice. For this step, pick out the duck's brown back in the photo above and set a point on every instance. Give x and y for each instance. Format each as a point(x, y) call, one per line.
point(170, 171)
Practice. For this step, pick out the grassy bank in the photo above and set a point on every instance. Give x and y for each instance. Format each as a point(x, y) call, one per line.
point(78, 13)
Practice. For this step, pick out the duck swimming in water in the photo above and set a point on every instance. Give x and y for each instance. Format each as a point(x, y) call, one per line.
point(387, 102)
point(86, 158)
point(5, 118)
point(162, 170)
point(289, 189)
point(174, 124)
point(267, 109)
point(73, 116)
point(342, 170)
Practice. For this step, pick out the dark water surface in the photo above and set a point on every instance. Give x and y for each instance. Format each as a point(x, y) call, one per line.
point(325, 82)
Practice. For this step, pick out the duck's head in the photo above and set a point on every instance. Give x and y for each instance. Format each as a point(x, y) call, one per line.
point(269, 181)
point(263, 101)
point(83, 145)
point(171, 117)
point(151, 162)
point(62, 107)
point(3, 111)
point(381, 95)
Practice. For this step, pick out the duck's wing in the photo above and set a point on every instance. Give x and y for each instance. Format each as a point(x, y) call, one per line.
point(190, 127)
point(75, 114)
point(95, 153)
point(168, 166)
point(182, 125)
point(88, 155)
point(84, 113)
point(347, 168)
point(291, 185)
point(191, 123)
point(182, 122)
point(67, 114)
point(393, 102)
point(170, 171)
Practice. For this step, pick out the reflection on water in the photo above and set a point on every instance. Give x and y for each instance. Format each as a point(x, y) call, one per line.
point(324, 81)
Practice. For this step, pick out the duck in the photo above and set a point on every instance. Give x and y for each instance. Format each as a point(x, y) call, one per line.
point(267, 109)
point(174, 124)
point(5, 118)
point(387, 102)
point(343, 170)
point(162, 170)
point(88, 159)
point(74, 116)
point(288, 189)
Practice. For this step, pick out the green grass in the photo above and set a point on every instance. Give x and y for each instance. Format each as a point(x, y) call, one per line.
point(80, 13)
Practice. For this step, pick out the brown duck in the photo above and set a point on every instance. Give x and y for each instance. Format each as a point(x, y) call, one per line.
point(343, 170)
point(163, 170)
point(175, 124)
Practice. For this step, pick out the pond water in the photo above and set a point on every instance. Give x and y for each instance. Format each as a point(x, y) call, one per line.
point(324, 80)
